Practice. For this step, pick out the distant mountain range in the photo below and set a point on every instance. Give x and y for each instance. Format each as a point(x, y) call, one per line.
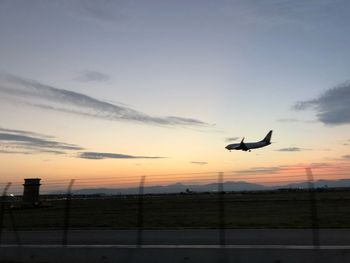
point(212, 187)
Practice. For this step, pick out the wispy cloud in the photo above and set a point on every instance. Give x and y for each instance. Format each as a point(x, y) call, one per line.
point(292, 120)
point(37, 142)
point(259, 170)
point(332, 107)
point(39, 95)
point(15, 152)
point(280, 168)
point(104, 10)
point(26, 142)
point(277, 12)
point(231, 139)
point(346, 157)
point(288, 120)
point(292, 149)
point(199, 163)
point(92, 76)
point(25, 133)
point(320, 165)
point(99, 156)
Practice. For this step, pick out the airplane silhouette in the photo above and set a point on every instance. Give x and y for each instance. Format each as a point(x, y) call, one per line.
point(250, 145)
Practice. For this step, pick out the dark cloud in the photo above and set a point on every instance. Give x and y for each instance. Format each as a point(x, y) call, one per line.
point(47, 97)
point(291, 149)
point(36, 142)
point(259, 170)
point(99, 156)
point(199, 163)
point(26, 142)
point(24, 132)
point(92, 76)
point(346, 157)
point(332, 107)
point(231, 139)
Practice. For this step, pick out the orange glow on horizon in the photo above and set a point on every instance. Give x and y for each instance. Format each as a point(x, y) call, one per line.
point(283, 176)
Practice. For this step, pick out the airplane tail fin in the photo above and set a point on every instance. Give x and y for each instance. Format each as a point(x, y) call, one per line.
point(267, 138)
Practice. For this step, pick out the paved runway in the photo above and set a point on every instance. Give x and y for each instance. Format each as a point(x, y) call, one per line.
point(298, 237)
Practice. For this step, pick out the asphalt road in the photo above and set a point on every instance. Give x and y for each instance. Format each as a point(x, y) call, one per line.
point(328, 237)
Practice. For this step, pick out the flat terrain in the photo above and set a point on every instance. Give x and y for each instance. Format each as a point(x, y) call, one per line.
point(281, 209)
point(250, 237)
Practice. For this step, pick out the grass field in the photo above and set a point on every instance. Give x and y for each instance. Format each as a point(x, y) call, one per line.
point(242, 210)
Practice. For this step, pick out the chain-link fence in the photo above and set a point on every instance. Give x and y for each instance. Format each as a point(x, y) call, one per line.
point(290, 197)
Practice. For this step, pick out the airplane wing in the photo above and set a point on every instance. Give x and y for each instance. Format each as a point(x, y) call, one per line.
point(243, 146)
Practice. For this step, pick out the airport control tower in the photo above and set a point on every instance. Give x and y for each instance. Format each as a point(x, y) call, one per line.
point(31, 192)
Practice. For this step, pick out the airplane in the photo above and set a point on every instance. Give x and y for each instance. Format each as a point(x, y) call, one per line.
point(250, 145)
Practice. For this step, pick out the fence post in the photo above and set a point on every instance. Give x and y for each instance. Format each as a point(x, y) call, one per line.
point(140, 213)
point(14, 228)
point(2, 209)
point(313, 209)
point(67, 213)
point(222, 209)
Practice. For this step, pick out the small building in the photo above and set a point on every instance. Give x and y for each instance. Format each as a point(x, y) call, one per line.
point(31, 192)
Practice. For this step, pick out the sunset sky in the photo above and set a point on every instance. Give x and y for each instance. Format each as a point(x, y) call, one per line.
point(98, 89)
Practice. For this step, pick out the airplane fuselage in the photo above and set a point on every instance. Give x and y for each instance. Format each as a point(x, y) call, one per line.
point(247, 146)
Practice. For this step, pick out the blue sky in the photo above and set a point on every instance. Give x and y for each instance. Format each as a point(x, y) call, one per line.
point(218, 69)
